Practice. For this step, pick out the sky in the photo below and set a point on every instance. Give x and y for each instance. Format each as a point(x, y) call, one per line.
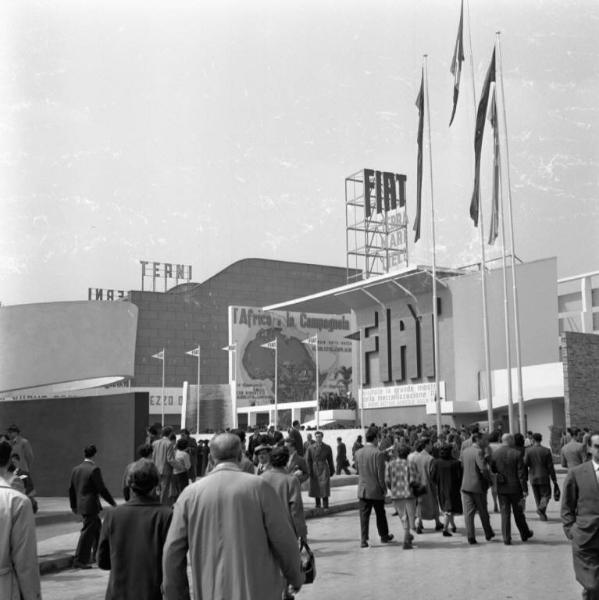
point(205, 132)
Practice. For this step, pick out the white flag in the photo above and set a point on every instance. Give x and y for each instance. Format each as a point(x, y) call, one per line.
point(270, 345)
point(230, 348)
point(159, 356)
point(311, 341)
point(194, 352)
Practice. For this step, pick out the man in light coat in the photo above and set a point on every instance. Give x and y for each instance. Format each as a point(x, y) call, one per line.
point(19, 571)
point(238, 534)
point(163, 455)
point(370, 462)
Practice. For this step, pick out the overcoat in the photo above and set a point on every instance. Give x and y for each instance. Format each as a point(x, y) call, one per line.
point(131, 543)
point(241, 544)
point(447, 477)
point(288, 489)
point(427, 503)
point(19, 571)
point(320, 467)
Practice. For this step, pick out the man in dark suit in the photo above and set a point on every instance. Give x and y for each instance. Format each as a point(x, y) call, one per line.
point(475, 483)
point(296, 465)
point(508, 464)
point(85, 490)
point(580, 518)
point(539, 462)
point(341, 462)
point(296, 436)
point(370, 462)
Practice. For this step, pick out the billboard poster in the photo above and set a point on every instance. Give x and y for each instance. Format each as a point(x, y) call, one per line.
point(251, 328)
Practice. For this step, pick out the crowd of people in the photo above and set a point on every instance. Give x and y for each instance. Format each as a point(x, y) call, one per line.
point(244, 533)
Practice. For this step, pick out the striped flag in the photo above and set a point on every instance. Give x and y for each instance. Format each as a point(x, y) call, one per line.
point(311, 341)
point(456, 62)
point(481, 114)
point(420, 105)
point(272, 345)
point(194, 352)
point(494, 229)
point(159, 356)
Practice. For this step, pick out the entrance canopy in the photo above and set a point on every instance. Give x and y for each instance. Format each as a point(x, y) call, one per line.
point(409, 282)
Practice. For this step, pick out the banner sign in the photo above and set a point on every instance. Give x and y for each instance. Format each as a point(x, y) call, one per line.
point(416, 394)
point(251, 328)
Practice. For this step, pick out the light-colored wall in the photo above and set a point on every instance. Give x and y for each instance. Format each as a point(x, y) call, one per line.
point(537, 301)
point(56, 342)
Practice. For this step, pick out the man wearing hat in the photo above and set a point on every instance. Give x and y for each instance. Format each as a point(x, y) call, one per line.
point(296, 465)
point(320, 468)
point(262, 453)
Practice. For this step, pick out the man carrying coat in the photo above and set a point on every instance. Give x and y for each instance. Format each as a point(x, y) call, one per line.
point(580, 518)
point(370, 462)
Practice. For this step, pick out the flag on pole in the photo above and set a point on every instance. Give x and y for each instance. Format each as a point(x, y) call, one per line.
point(494, 229)
point(159, 356)
point(456, 62)
point(272, 345)
point(481, 114)
point(194, 352)
point(420, 105)
point(353, 336)
point(230, 348)
point(311, 341)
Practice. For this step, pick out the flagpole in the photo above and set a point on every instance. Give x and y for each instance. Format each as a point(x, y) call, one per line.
point(198, 398)
point(360, 399)
point(276, 385)
point(162, 403)
point(434, 251)
point(317, 386)
point(483, 276)
point(512, 251)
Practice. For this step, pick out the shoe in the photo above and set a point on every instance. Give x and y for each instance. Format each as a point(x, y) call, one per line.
point(438, 527)
point(489, 537)
point(527, 537)
point(454, 528)
point(407, 546)
point(79, 565)
point(446, 533)
point(386, 539)
point(471, 541)
point(419, 529)
point(508, 542)
point(542, 515)
point(410, 538)
point(364, 545)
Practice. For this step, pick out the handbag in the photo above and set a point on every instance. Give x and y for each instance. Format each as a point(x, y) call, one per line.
point(418, 489)
point(308, 562)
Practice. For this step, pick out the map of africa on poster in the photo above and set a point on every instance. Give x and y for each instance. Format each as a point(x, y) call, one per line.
point(250, 328)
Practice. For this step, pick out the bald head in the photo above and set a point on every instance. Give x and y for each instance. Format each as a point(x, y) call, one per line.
point(507, 439)
point(225, 447)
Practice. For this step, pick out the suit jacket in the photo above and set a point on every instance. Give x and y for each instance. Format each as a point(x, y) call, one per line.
point(288, 490)
point(86, 488)
point(476, 477)
point(239, 538)
point(297, 463)
point(573, 454)
point(370, 462)
point(130, 546)
point(539, 462)
point(296, 436)
point(580, 506)
point(508, 462)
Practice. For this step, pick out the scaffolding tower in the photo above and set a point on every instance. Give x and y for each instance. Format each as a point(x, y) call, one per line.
point(377, 243)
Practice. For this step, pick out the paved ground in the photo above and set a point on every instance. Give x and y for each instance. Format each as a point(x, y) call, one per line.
point(438, 567)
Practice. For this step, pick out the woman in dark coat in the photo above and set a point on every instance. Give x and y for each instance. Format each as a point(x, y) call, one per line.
point(132, 538)
point(446, 473)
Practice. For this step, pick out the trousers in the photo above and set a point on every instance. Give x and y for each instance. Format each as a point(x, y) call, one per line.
point(366, 505)
point(90, 534)
point(473, 503)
